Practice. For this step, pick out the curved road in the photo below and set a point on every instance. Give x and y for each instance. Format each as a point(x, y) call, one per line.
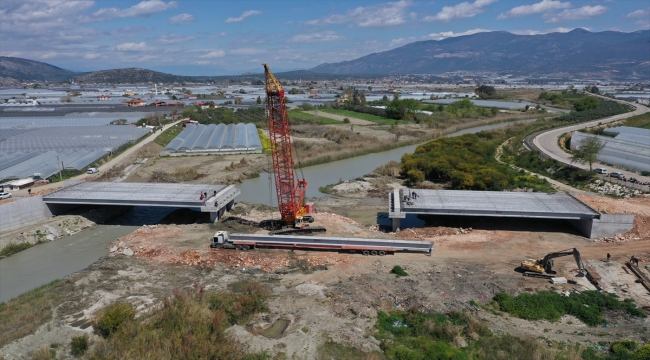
point(547, 142)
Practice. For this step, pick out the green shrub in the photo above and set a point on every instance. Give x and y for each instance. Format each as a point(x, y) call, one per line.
point(643, 353)
point(398, 271)
point(239, 307)
point(13, 248)
point(586, 306)
point(113, 318)
point(183, 328)
point(79, 345)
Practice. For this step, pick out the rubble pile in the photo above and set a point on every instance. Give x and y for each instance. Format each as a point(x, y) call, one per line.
point(429, 232)
point(638, 205)
point(156, 242)
point(607, 188)
point(344, 219)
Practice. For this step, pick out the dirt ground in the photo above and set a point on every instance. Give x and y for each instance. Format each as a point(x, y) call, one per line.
point(337, 295)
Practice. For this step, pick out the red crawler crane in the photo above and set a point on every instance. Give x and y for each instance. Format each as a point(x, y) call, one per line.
point(290, 193)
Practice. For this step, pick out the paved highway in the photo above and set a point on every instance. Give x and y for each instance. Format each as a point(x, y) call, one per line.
point(547, 142)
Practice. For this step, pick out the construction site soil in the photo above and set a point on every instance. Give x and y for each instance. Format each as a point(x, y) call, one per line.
point(335, 295)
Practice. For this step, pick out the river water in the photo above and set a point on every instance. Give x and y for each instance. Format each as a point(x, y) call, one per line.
point(258, 190)
point(44, 263)
point(54, 260)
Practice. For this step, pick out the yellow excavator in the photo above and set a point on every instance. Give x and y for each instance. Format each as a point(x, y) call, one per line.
point(545, 265)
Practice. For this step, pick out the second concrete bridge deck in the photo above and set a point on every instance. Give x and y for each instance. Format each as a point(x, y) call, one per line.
point(507, 204)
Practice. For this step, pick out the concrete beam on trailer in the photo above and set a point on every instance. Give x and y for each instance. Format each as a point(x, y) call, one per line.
point(147, 194)
point(505, 204)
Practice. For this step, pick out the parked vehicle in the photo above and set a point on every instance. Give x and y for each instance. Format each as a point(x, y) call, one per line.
point(601, 170)
point(92, 170)
point(5, 195)
point(617, 175)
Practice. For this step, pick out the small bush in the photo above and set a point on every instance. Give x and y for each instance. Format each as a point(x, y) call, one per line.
point(13, 248)
point(114, 316)
point(346, 120)
point(239, 307)
point(79, 345)
point(645, 173)
point(398, 271)
point(44, 353)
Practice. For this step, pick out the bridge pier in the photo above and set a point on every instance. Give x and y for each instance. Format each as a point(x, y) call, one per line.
point(214, 216)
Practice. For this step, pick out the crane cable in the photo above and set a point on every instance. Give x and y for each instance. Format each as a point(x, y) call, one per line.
point(302, 175)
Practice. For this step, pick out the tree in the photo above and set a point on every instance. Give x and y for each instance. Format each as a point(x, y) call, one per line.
point(259, 100)
point(594, 90)
point(485, 91)
point(587, 151)
point(586, 103)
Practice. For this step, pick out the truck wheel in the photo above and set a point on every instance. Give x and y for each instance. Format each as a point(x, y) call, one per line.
point(245, 247)
point(365, 252)
point(382, 253)
point(238, 247)
point(373, 252)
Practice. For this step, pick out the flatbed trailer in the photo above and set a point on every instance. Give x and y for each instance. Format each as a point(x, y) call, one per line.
point(223, 240)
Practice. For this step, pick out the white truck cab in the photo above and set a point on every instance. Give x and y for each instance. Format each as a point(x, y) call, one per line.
point(221, 240)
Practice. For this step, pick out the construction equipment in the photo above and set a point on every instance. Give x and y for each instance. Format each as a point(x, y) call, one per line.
point(290, 193)
point(223, 240)
point(545, 265)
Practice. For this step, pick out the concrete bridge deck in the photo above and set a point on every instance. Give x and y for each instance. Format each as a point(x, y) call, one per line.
point(147, 194)
point(507, 204)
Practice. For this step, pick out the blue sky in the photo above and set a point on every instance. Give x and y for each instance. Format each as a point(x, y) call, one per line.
point(204, 37)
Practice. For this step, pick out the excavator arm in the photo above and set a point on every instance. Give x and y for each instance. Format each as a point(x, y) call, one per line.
point(547, 262)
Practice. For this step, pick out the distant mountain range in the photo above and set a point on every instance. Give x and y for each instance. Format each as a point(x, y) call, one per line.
point(578, 53)
point(130, 76)
point(23, 69)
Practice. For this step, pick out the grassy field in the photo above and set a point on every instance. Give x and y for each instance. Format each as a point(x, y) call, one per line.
point(168, 135)
point(300, 115)
point(23, 315)
point(358, 115)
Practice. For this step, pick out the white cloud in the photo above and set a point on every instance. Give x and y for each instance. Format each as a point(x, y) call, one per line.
point(322, 36)
point(540, 7)
point(585, 12)
point(40, 17)
point(143, 9)
point(247, 51)
point(243, 16)
point(448, 34)
point(460, 11)
point(542, 32)
point(213, 54)
point(175, 39)
point(382, 15)
point(642, 15)
point(639, 13)
point(91, 56)
point(181, 19)
point(130, 46)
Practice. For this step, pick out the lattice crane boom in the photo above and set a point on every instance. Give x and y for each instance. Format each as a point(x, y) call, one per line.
point(290, 192)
